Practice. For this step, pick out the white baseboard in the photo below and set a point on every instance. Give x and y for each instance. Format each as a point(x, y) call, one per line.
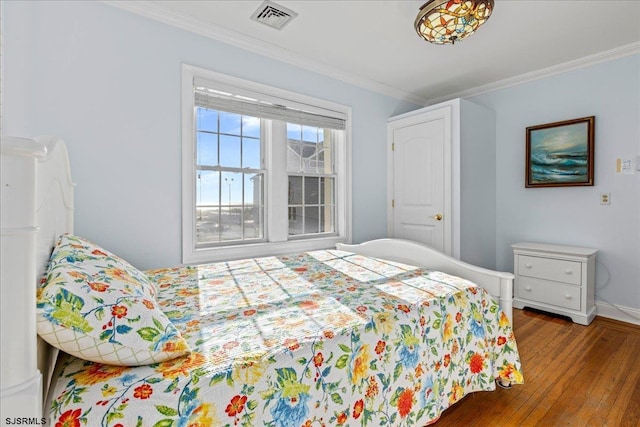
point(618, 312)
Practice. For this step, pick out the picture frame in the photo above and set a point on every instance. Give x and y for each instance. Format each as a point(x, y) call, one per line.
point(560, 154)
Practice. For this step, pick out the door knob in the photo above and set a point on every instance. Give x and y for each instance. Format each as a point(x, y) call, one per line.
point(437, 217)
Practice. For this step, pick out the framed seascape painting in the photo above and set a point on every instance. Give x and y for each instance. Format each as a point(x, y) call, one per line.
point(560, 154)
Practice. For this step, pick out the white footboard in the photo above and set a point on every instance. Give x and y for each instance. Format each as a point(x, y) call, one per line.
point(498, 284)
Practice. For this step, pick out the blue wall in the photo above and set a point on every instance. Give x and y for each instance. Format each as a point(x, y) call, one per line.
point(108, 82)
point(573, 216)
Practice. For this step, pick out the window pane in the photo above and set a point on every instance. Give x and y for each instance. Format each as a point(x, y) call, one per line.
point(327, 219)
point(294, 131)
point(230, 206)
point(230, 223)
point(309, 158)
point(230, 123)
point(251, 153)
point(231, 189)
point(311, 191)
point(326, 191)
point(207, 153)
point(311, 218)
point(310, 134)
point(206, 119)
point(230, 151)
point(253, 189)
point(295, 190)
point(293, 157)
point(310, 165)
point(325, 157)
point(253, 222)
point(308, 150)
point(296, 215)
point(207, 188)
point(207, 224)
point(251, 127)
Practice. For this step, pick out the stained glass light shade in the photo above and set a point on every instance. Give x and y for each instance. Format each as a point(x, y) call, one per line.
point(446, 22)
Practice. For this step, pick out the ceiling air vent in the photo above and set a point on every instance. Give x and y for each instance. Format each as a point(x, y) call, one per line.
point(273, 15)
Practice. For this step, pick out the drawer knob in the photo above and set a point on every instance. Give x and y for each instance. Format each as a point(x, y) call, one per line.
point(527, 265)
point(527, 288)
point(568, 271)
point(567, 296)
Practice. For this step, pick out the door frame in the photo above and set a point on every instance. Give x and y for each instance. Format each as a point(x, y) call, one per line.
point(451, 194)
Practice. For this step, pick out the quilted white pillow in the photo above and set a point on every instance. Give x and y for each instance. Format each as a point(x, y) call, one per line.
point(96, 306)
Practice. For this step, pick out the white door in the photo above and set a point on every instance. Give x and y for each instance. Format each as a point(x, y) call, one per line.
point(420, 153)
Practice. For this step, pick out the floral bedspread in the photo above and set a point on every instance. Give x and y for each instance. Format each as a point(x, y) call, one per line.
point(317, 339)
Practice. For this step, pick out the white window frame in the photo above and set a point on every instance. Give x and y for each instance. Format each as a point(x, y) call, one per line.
point(277, 241)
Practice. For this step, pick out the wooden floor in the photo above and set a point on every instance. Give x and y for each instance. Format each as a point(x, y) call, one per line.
point(574, 376)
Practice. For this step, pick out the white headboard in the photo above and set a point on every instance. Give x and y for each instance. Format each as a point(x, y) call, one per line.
point(37, 207)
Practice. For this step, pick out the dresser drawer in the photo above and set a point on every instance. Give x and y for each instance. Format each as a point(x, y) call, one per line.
point(548, 292)
point(558, 270)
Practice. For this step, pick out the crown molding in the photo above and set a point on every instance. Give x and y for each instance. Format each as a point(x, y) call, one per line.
point(619, 52)
point(155, 11)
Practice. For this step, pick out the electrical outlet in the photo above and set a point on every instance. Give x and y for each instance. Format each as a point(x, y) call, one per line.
point(605, 198)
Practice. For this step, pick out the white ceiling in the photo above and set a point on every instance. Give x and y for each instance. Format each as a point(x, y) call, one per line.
point(374, 44)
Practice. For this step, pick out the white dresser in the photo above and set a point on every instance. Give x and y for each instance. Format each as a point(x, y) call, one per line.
point(557, 279)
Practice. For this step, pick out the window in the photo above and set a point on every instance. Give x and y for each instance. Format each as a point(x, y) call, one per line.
point(311, 180)
point(229, 178)
point(264, 170)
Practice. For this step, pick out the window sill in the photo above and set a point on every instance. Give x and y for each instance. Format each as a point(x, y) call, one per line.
point(254, 250)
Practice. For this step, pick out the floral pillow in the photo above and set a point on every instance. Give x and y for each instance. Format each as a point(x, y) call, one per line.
point(96, 306)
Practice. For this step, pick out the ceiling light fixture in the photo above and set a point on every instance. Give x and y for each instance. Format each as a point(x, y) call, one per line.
point(448, 21)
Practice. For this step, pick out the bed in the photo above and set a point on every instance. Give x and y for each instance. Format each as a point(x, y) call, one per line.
point(387, 332)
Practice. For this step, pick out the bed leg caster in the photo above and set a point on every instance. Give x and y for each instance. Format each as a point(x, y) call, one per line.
point(503, 383)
